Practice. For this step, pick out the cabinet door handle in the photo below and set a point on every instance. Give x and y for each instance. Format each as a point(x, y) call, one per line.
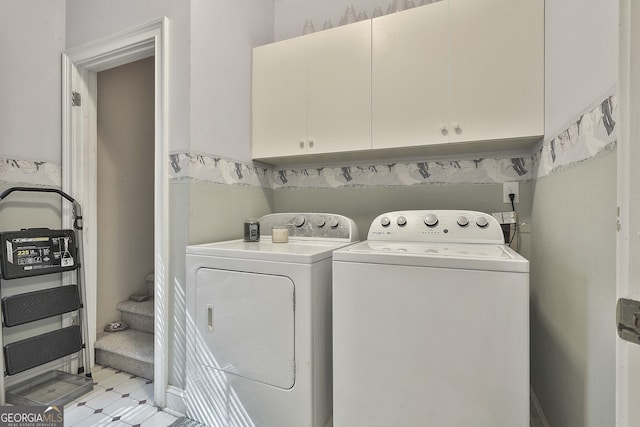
point(443, 129)
point(301, 143)
point(456, 126)
point(311, 143)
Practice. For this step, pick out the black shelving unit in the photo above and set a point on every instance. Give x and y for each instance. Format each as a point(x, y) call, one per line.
point(32, 252)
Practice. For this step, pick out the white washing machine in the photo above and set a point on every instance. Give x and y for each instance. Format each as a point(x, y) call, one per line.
point(431, 324)
point(259, 325)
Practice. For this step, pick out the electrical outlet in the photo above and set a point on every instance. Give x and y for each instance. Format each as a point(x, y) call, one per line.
point(509, 188)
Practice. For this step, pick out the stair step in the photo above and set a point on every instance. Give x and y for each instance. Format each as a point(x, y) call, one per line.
point(130, 351)
point(144, 308)
point(138, 315)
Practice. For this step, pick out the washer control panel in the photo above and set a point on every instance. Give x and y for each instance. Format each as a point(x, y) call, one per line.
point(312, 225)
point(436, 226)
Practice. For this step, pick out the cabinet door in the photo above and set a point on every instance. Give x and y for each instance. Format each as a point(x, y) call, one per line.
point(339, 88)
point(279, 114)
point(497, 69)
point(410, 77)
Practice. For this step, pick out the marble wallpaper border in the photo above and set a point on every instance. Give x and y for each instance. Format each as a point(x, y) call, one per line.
point(31, 172)
point(591, 134)
point(400, 174)
point(185, 165)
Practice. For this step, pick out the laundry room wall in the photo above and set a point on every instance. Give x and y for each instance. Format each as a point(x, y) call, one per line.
point(573, 245)
point(31, 39)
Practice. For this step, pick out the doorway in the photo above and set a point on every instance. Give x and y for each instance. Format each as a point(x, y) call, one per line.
point(80, 67)
point(125, 130)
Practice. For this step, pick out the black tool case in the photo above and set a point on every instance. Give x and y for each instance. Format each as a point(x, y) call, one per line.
point(33, 252)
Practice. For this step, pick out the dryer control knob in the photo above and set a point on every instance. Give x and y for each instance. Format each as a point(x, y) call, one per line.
point(431, 220)
point(299, 221)
point(463, 221)
point(482, 222)
point(320, 222)
point(334, 222)
point(385, 221)
point(402, 221)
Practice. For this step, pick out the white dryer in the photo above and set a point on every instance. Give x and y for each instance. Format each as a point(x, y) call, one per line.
point(431, 324)
point(259, 325)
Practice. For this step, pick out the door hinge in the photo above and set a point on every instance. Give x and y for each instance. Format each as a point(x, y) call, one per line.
point(76, 99)
point(628, 320)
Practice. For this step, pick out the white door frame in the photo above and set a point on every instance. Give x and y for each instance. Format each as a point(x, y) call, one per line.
point(80, 66)
point(628, 240)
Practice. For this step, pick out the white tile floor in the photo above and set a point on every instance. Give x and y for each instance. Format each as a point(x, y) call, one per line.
point(118, 399)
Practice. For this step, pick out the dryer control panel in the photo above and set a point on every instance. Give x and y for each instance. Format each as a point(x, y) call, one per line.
point(312, 226)
point(455, 226)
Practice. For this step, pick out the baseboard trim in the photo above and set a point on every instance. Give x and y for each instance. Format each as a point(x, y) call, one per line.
point(176, 402)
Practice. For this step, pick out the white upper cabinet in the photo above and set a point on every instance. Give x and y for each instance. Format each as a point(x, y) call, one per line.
point(312, 94)
point(458, 71)
point(453, 71)
point(410, 73)
point(279, 99)
point(496, 69)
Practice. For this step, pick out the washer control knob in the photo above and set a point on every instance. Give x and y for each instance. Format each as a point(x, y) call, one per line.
point(320, 222)
point(402, 221)
point(482, 222)
point(385, 221)
point(463, 221)
point(299, 221)
point(334, 222)
point(431, 220)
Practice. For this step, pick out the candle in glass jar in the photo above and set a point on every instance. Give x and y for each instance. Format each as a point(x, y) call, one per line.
point(280, 234)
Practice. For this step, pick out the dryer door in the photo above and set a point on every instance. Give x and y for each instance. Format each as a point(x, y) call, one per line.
point(245, 325)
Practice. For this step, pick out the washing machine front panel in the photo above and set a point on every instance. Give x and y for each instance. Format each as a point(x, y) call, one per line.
point(443, 347)
point(245, 325)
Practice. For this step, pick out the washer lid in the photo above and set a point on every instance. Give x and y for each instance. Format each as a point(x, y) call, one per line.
point(295, 251)
point(471, 256)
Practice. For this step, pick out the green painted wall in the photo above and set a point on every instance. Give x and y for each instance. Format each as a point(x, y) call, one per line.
point(573, 293)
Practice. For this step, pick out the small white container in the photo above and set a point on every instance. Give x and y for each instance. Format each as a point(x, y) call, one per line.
point(280, 234)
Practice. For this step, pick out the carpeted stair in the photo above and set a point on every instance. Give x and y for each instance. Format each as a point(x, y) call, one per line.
point(130, 350)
